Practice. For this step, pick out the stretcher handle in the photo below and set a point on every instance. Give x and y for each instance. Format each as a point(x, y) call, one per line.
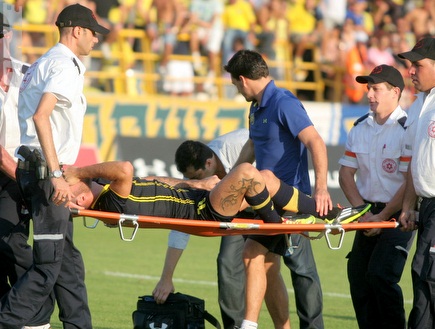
point(341, 231)
point(94, 225)
point(133, 220)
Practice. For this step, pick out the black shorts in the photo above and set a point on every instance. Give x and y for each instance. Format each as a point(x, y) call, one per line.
point(207, 212)
point(278, 244)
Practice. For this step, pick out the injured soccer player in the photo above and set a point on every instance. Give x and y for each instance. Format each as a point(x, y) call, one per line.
point(208, 199)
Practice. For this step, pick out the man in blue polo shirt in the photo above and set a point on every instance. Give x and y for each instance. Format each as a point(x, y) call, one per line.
point(280, 134)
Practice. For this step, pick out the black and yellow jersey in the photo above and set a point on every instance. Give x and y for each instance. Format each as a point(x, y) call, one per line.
point(154, 198)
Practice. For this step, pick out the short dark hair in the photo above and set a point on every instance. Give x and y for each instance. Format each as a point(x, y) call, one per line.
point(247, 63)
point(192, 153)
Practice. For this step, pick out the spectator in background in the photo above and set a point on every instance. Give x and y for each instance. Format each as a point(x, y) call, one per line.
point(145, 19)
point(239, 23)
point(167, 25)
point(115, 15)
point(207, 35)
point(355, 59)
point(332, 14)
point(362, 20)
point(178, 80)
point(332, 54)
point(273, 36)
point(302, 32)
point(265, 31)
point(36, 12)
point(379, 52)
point(422, 18)
point(403, 29)
point(385, 12)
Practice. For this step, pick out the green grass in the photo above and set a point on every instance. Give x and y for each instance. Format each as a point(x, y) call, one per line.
point(117, 272)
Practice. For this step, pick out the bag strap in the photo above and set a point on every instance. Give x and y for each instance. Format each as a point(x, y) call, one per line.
point(212, 320)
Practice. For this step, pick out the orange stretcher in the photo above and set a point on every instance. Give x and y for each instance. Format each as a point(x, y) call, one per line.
point(237, 226)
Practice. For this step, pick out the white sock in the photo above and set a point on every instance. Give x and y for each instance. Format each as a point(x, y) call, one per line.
point(45, 326)
point(246, 324)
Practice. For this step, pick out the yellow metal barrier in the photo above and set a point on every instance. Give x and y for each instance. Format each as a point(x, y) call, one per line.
point(125, 69)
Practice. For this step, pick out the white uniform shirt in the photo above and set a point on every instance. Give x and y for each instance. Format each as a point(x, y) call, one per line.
point(378, 152)
point(61, 73)
point(9, 127)
point(422, 134)
point(227, 148)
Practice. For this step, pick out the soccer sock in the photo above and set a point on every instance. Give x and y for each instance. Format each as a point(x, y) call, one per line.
point(246, 324)
point(291, 199)
point(263, 205)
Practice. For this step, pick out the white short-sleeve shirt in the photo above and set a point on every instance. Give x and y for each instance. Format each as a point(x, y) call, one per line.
point(61, 73)
point(422, 137)
point(378, 153)
point(9, 127)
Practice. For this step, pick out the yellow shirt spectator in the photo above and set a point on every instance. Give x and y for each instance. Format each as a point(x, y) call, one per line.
point(35, 11)
point(238, 15)
point(300, 20)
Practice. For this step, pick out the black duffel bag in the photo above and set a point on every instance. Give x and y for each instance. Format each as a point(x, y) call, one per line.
point(180, 311)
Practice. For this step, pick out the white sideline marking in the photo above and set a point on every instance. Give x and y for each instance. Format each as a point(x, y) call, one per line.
point(156, 278)
point(209, 283)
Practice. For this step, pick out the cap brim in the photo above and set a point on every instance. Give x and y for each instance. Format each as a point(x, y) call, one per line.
point(371, 79)
point(412, 56)
point(364, 79)
point(101, 30)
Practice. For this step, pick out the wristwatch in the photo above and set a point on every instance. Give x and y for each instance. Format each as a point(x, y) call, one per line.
point(56, 174)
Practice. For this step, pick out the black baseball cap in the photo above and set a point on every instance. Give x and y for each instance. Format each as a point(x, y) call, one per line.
point(78, 15)
point(425, 48)
point(383, 73)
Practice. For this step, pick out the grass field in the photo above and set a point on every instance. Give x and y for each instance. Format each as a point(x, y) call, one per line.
point(117, 272)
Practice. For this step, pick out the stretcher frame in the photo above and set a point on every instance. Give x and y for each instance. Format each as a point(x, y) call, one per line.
point(237, 226)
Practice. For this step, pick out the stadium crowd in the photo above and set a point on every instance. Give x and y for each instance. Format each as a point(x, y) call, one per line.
point(348, 37)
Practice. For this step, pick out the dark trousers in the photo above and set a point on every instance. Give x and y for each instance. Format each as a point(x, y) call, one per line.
point(422, 315)
point(375, 266)
point(15, 253)
point(57, 264)
point(231, 281)
point(306, 283)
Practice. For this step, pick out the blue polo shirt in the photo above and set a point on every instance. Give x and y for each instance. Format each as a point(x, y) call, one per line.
point(274, 126)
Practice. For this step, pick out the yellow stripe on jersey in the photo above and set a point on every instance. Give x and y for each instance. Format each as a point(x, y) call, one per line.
point(160, 198)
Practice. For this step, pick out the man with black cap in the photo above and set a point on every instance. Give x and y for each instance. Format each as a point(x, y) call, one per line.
point(420, 186)
point(51, 109)
point(375, 153)
point(15, 252)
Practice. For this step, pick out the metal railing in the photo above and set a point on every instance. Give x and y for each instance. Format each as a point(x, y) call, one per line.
point(129, 72)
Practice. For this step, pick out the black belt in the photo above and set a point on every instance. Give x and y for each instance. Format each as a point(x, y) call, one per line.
point(377, 205)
